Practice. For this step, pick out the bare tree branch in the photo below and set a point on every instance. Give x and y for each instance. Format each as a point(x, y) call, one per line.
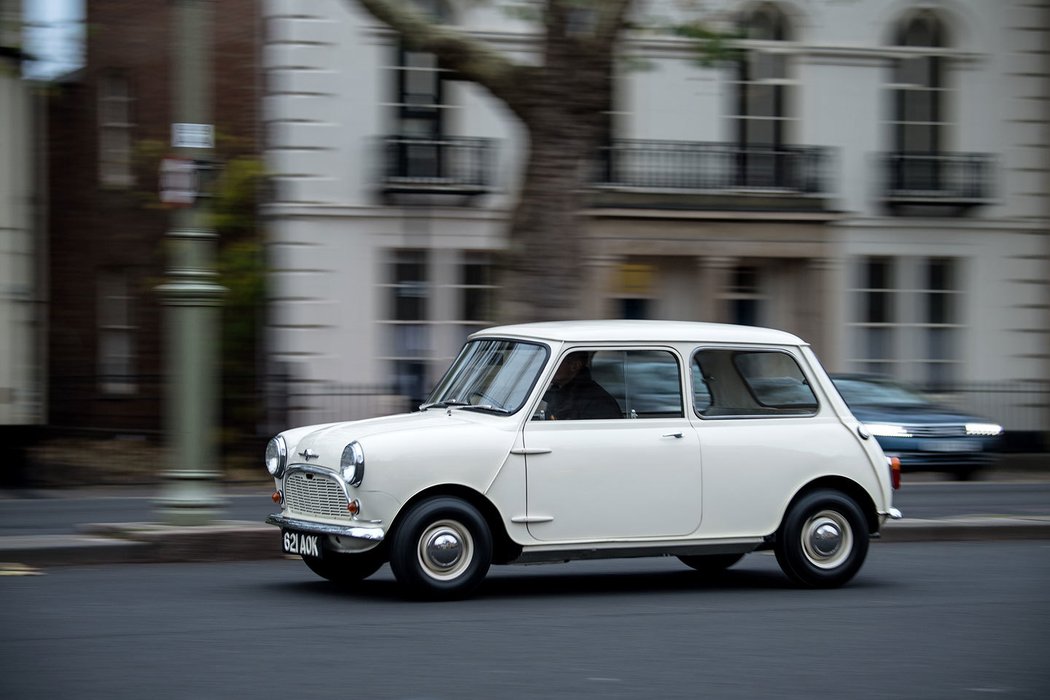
point(473, 60)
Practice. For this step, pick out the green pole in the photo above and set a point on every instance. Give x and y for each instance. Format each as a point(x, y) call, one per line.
point(191, 294)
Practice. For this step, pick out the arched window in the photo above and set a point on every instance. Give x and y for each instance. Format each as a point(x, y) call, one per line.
point(918, 121)
point(763, 99)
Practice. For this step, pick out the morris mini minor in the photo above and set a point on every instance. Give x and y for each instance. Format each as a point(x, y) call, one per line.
point(549, 442)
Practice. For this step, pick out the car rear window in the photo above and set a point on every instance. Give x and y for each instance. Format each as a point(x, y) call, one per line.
point(731, 382)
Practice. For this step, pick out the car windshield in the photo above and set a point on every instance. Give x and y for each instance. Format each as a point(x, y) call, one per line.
point(490, 375)
point(868, 392)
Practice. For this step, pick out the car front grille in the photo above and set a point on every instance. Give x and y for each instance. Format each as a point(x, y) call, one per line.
point(316, 495)
point(946, 430)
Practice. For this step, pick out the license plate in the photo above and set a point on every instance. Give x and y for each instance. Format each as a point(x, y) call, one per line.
point(952, 446)
point(300, 543)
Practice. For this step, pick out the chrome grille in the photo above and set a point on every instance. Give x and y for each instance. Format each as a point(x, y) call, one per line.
point(947, 430)
point(313, 494)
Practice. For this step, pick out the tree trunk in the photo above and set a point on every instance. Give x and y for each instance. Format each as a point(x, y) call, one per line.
point(563, 103)
point(540, 269)
point(565, 109)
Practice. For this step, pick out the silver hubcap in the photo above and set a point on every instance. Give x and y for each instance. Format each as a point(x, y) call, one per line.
point(827, 539)
point(445, 550)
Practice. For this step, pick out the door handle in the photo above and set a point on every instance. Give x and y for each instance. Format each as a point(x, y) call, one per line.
point(674, 435)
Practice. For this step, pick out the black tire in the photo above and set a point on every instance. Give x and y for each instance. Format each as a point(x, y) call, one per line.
point(710, 564)
point(346, 569)
point(823, 540)
point(441, 549)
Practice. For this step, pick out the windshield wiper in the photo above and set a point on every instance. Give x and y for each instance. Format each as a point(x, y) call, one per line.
point(483, 407)
point(443, 404)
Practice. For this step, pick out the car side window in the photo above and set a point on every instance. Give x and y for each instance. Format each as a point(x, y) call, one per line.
point(750, 383)
point(641, 384)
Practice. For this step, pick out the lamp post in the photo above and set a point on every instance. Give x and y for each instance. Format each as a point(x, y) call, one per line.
point(191, 294)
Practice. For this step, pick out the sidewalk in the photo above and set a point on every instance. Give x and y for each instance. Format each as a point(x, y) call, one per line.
point(240, 540)
point(139, 543)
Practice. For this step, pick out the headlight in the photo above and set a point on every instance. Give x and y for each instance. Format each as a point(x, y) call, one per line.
point(887, 430)
point(352, 464)
point(276, 456)
point(984, 429)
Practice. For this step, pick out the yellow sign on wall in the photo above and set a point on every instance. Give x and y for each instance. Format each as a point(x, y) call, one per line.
point(636, 279)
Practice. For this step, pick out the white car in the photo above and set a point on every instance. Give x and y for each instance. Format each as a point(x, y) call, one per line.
point(548, 442)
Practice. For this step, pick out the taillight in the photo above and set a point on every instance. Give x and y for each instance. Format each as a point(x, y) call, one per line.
point(895, 471)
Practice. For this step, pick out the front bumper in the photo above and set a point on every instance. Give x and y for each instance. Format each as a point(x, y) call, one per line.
point(366, 532)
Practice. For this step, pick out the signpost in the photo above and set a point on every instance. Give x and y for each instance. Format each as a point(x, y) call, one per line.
point(191, 294)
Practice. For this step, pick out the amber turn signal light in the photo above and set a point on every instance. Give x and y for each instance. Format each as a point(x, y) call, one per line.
point(895, 472)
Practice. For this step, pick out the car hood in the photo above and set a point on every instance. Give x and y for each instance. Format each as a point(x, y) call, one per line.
point(411, 437)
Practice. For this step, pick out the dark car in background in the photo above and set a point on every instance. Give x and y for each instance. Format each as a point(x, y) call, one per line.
point(924, 434)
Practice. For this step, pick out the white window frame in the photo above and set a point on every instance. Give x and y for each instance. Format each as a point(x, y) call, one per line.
point(116, 334)
point(115, 130)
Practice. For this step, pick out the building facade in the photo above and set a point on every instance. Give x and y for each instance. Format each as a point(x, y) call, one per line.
point(870, 175)
point(22, 251)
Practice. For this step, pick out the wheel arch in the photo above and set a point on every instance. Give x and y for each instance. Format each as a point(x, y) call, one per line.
point(846, 486)
point(503, 548)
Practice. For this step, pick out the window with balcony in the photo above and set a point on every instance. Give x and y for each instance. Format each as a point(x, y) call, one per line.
point(420, 157)
point(764, 91)
point(918, 124)
point(921, 169)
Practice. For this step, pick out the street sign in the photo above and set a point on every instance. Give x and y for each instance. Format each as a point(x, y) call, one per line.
point(185, 135)
point(178, 182)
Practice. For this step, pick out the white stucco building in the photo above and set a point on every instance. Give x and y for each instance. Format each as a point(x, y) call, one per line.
point(873, 175)
point(21, 248)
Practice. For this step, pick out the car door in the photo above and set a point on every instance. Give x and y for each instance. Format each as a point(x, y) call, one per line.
point(764, 434)
point(634, 476)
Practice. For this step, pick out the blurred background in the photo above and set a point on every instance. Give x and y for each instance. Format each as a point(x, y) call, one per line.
point(873, 175)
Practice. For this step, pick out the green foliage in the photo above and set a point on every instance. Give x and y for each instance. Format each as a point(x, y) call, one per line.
point(235, 202)
point(242, 271)
point(712, 46)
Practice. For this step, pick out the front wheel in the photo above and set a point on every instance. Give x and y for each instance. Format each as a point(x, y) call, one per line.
point(823, 540)
point(442, 549)
point(346, 569)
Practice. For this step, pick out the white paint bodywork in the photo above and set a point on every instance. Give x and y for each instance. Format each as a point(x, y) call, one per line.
point(664, 484)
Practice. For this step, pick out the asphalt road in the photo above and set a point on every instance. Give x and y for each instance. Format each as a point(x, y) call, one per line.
point(945, 620)
point(52, 513)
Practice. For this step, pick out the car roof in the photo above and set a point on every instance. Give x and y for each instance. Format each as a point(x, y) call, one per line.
point(642, 331)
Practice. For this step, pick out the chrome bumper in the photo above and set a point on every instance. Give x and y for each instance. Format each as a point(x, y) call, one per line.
point(371, 533)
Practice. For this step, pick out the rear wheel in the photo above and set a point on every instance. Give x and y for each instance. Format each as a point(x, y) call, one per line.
point(823, 540)
point(710, 564)
point(346, 569)
point(442, 549)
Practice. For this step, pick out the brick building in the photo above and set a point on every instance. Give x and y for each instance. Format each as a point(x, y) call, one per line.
point(109, 124)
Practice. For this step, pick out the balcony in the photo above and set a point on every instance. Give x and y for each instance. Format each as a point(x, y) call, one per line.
point(448, 166)
point(960, 180)
point(700, 175)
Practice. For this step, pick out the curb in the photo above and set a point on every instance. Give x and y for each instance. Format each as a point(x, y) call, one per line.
point(966, 529)
point(140, 543)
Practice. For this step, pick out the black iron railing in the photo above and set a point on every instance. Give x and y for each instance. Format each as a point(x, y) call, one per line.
point(695, 165)
point(455, 164)
point(957, 178)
